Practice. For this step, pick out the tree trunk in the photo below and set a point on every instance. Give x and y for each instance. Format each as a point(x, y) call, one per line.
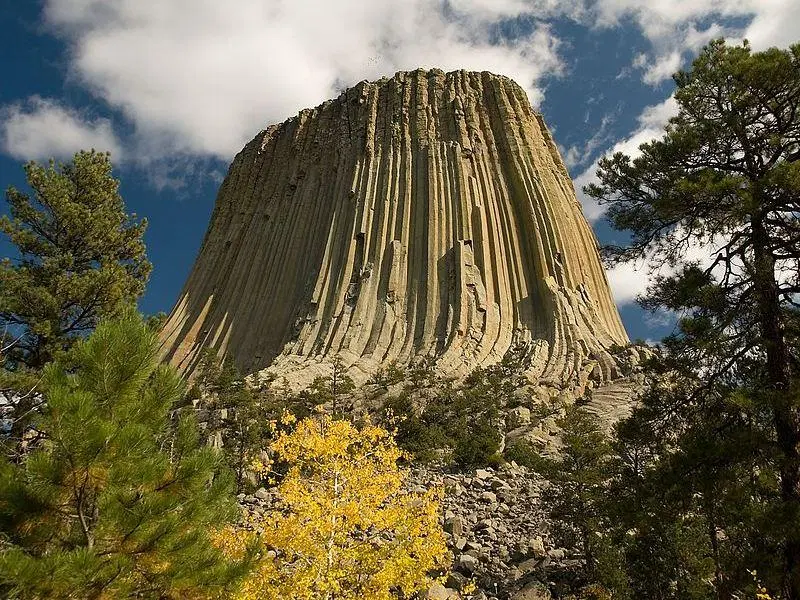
point(719, 583)
point(786, 417)
point(240, 461)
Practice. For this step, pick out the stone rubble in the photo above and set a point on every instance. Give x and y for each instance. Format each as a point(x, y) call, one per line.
point(497, 531)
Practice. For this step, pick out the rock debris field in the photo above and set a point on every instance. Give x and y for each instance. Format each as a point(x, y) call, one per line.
point(496, 529)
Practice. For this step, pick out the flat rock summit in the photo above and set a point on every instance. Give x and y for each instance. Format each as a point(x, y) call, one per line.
point(428, 215)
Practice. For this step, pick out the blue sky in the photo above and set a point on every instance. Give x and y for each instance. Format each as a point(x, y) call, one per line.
point(174, 88)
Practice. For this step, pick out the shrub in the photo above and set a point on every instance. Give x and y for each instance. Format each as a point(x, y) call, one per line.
point(523, 453)
point(478, 446)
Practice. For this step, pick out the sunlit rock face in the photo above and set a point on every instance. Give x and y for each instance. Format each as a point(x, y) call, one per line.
point(426, 215)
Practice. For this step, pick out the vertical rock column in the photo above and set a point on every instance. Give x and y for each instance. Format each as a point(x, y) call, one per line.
point(429, 214)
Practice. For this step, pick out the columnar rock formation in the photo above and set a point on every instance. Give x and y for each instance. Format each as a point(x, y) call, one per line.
point(428, 214)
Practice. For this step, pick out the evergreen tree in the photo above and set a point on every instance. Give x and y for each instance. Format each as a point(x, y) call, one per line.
point(724, 395)
point(330, 389)
point(117, 502)
point(246, 427)
point(579, 481)
point(692, 507)
point(80, 258)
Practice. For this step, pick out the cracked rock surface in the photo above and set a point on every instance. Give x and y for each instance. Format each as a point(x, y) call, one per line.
point(424, 215)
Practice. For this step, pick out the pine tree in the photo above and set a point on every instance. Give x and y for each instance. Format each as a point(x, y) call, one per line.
point(344, 528)
point(330, 389)
point(690, 516)
point(246, 427)
point(725, 393)
point(80, 258)
point(579, 481)
point(117, 502)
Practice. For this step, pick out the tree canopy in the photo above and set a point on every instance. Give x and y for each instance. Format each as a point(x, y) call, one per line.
point(119, 501)
point(343, 526)
point(723, 396)
point(81, 257)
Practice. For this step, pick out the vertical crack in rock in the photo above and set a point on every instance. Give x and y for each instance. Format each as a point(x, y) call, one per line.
point(429, 214)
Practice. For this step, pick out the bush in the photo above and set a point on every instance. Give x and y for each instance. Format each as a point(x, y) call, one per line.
point(465, 419)
point(391, 375)
point(523, 453)
point(478, 446)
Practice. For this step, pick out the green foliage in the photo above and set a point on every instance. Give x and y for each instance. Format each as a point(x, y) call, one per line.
point(156, 322)
point(329, 389)
point(579, 481)
point(479, 447)
point(422, 373)
point(416, 433)
point(391, 375)
point(467, 419)
point(117, 502)
point(708, 502)
point(248, 415)
point(709, 465)
point(523, 453)
point(80, 258)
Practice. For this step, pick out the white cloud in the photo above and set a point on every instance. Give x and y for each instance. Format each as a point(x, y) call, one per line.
point(671, 26)
point(662, 68)
point(630, 280)
point(203, 76)
point(42, 128)
point(776, 23)
point(696, 39)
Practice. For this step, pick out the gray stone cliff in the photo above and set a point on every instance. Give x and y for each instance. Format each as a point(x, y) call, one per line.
point(426, 215)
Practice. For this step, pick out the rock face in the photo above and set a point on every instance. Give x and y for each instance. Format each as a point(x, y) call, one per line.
point(428, 214)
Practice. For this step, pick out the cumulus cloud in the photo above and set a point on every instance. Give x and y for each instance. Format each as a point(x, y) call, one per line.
point(676, 29)
point(40, 128)
point(662, 68)
point(203, 76)
point(630, 280)
point(776, 23)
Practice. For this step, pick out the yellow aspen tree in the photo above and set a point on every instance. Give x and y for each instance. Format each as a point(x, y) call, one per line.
point(345, 527)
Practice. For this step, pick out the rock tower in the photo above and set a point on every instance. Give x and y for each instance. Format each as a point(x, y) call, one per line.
point(426, 215)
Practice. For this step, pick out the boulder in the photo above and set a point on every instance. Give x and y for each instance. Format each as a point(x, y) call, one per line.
point(438, 592)
point(518, 417)
point(467, 563)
